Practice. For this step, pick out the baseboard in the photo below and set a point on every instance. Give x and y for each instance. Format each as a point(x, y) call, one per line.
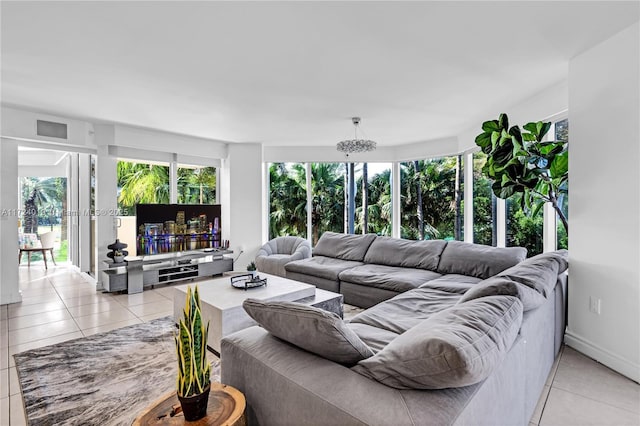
point(603, 356)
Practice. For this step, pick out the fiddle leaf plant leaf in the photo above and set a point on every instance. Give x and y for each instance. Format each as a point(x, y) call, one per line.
point(519, 162)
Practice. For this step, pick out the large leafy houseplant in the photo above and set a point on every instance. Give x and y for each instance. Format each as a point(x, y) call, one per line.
point(194, 370)
point(523, 162)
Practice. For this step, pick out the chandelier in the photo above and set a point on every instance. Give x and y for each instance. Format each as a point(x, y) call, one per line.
point(350, 146)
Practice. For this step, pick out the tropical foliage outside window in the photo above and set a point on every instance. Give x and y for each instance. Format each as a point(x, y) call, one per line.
point(328, 198)
point(378, 195)
point(196, 185)
point(430, 206)
point(523, 229)
point(48, 196)
point(484, 203)
point(287, 200)
point(562, 134)
point(140, 183)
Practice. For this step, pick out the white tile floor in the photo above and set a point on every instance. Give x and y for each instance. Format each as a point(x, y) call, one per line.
point(59, 304)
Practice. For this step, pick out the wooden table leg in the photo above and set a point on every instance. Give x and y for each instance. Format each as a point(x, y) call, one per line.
point(19, 256)
point(29, 259)
point(44, 256)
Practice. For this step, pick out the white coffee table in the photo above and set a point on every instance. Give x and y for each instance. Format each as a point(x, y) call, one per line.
point(222, 304)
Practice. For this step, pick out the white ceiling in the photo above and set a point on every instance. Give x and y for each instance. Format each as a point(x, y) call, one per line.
point(293, 73)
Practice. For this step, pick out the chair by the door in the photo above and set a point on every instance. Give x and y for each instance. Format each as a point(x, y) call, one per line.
point(46, 245)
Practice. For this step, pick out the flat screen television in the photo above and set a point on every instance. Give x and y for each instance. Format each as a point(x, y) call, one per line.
point(166, 228)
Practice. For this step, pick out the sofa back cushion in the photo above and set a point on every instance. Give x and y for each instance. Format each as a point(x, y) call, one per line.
point(312, 329)
point(531, 281)
point(495, 286)
point(456, 347)
point(343, 246)
point(405, 253)
point(539, 272)
point(478, 260)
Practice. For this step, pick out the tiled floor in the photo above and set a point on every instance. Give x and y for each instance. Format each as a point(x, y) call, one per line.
point(59, 304)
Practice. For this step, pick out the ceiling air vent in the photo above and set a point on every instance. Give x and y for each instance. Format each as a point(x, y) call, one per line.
point(51, 129)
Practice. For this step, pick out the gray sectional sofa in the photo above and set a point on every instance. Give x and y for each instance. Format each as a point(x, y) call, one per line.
point(368, 269)
point(471, 345)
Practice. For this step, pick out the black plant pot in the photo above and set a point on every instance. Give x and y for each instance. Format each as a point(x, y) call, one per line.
point(195, 407)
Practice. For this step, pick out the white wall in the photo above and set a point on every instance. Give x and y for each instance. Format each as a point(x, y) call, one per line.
point(604, 204)
point(21, 124)
point(241, 184)
point(9, 289)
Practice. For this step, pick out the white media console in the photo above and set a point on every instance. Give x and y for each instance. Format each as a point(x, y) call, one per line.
point(149, 270)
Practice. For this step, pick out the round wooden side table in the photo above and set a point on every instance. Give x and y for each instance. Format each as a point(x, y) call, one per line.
point(226, 407)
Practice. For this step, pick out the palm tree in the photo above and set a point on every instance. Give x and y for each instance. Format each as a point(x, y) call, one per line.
point(142, 183)
point(288, 200)
point(37, 192)
point(327, 187)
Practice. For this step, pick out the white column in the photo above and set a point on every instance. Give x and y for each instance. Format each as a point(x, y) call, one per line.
point(309, 203)
point(173, 181)
point(73, 193)
point(106, 196)
point(501, 225)
point(395, 200)
point(84, 214)
point(549, 228)
point(9, 286)
point(468, 196)
point(242, 185)
point(266, 209)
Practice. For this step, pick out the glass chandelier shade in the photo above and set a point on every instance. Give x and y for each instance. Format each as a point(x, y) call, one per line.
point(349, 146)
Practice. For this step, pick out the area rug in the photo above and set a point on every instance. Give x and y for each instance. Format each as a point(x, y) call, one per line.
point(105, 379)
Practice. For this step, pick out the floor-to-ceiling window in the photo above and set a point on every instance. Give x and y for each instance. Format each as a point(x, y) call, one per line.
point(287, 200)
point(376, 189)
point(484, 204)
point(431, 199)
point(328, 198)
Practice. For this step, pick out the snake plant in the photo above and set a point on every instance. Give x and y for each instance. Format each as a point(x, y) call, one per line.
point(194, 370)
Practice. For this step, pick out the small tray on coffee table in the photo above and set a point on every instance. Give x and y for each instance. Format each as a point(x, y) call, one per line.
point(247, 281)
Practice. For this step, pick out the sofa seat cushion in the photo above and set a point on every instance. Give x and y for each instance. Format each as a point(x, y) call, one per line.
point(392, 278)
point(405, 253)
point(406, 310)
point(453, 283)
point(374, 337)
point(343, 246)
point(312, 329)
point(321, 266)
point(457, 347)
point(477, 260)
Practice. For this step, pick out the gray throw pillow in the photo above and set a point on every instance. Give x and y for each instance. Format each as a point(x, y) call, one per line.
point(456, 347)
point(315, 330)
point(495, 286)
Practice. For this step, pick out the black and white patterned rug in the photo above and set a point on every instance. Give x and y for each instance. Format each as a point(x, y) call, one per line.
point(105, 379)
